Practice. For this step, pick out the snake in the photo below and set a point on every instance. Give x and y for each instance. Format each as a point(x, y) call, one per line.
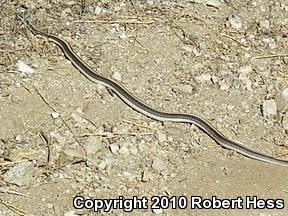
point(147, 110)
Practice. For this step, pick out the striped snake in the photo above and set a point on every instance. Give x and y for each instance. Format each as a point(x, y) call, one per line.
point(145, 109)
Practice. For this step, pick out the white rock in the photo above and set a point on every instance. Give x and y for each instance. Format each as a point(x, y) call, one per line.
point(204, 78)
point(124, 150)
point(102, 165)
point(23, 67)
point(214, 3)
point(157, 211)
point(158, 165)
point(93, 145)
point(71, 213)
point(183, 88)
point(235, 21)
point(114, 147)
point(269, 108)
point(117, 76)
point(285, 121)
point(264, 24)
point(246, 69)
point(282, 100)
point(100, 10)
point(21, 174)
point(55, 115)
point(147, 176)
point(161, 136)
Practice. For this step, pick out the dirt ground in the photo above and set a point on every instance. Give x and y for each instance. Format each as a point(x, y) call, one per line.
point(63, 136)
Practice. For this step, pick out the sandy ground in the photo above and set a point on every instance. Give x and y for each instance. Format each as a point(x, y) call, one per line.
point(62, 135)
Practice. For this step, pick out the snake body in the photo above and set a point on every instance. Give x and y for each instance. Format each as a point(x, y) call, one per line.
point(147, 110)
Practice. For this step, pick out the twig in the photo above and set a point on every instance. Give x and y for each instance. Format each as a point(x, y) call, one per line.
point(13, 208)
point(271, 56)
point(234, 39)
point(2, 190)
point(13, 162)
point(115, 21)
point(116, 134)
point(136, 124)
point(47, 142)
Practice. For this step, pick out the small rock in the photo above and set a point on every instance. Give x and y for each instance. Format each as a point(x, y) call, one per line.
point(102, 165)
point(158, 165)
point(204, 78)
point(157, 211)
point(147, 176)
point(264, 24)
point(114, 147)
point(100, 10)
point(161, 136)
point(23, 67)
point(71, 213)
point(124, 150)
point(285, 121)
point(183, 88)
point(93, 145)
point(117, 76)
point(80, 121)
point(55, 115)
point(128, 175)
point(245, 69)
point(269, 108)
point(282, 101)
point(53, 59)
point(21, 139)
point(213, 3)
point(187, 48)
point(235, 21)
point(73, 154)
point(20, 174)
point(223, 86)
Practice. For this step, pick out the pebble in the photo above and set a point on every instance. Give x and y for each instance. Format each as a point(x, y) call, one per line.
point(158, 165)
point(21, 174)
point(93, 145)
point(183, 88)
point(269, 108)
point(147, 176)
point(114, 148)
point(128, 175)
point(53, 59)
point(282, 101)
point(157, 211)
point(55, 115)
point(235, 21)
point(285, 121)
point(23, 67)
point(21, 139)
point(117, 76)
point(79, 120)
point(161, 136)
point(223, 86)
point(100, 10)
point(264, 24)
point(73, 154)
point(213, 3)
point(204, 78)
point(110, 161)
point(71, 213)
point(124, 150)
